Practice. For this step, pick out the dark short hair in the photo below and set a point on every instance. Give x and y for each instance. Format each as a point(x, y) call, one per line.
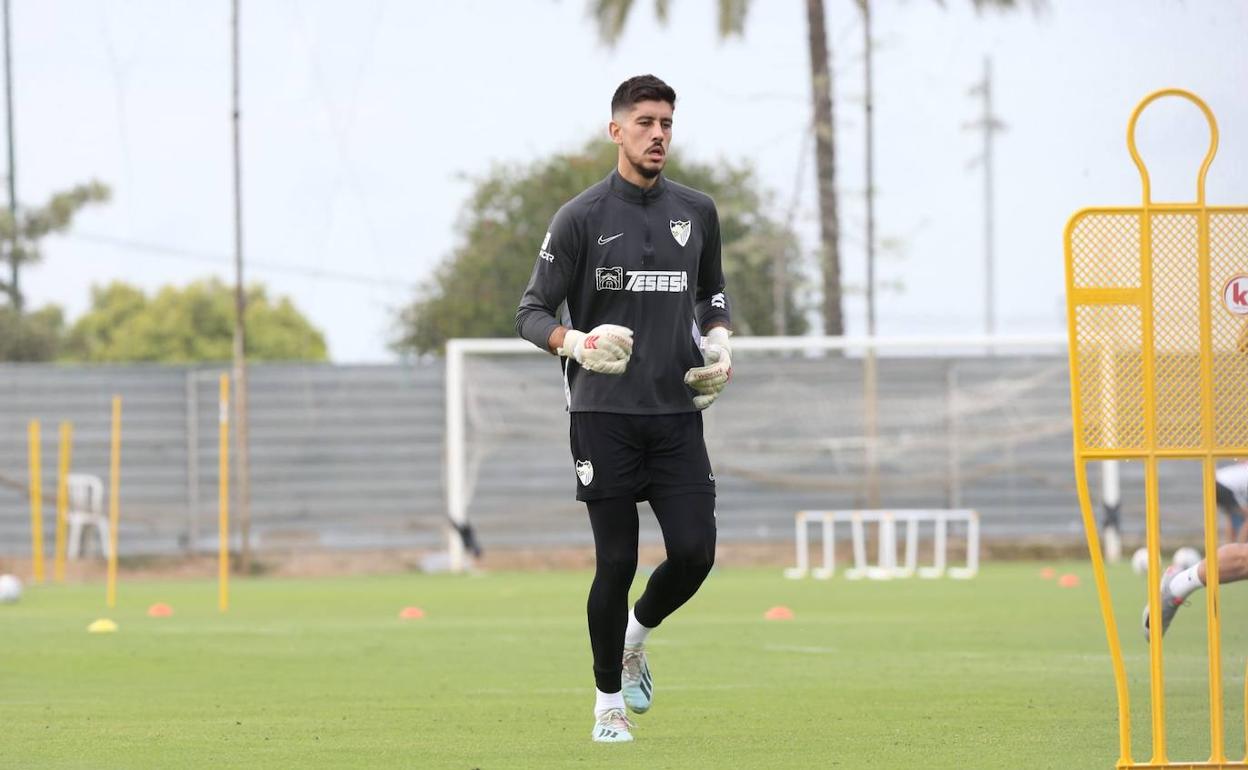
point(642, 88)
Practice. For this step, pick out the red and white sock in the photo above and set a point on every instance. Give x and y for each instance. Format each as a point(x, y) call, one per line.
point(1185, 583)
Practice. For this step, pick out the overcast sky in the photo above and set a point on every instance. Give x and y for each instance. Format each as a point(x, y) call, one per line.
point(362, 120)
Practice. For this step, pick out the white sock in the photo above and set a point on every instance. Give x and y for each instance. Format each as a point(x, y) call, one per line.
point(635, 635)
point(1185, 583)
point(607, 700)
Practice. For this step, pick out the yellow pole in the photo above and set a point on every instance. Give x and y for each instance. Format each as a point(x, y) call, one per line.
point(114, 497)
point(1213, 622)
point(36, 500)
point(223, 497)
point(1107, 608)
point(66, 450)
point(1152, 529)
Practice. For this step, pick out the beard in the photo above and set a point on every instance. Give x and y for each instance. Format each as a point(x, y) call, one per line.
point(644, 167)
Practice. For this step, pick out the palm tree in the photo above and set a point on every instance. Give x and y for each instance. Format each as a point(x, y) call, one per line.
point(612, 15)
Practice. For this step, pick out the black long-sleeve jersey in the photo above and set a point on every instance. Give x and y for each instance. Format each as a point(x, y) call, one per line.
point(645, 259)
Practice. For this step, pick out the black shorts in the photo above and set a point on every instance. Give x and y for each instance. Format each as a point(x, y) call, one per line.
point(1229, 505)
point(642, 456)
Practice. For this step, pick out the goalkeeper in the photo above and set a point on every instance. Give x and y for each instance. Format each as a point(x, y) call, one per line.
point(632, 265)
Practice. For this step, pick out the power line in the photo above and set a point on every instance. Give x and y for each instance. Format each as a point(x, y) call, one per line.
point(342, 133)
point(176, 252)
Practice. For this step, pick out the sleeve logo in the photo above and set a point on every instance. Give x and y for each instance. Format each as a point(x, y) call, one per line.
point(543, 253)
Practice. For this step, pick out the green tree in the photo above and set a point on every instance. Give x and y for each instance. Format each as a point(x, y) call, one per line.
point(21, 236)
point(475, 291)
point(35, 336)
point(612, 15)
point(193, 323)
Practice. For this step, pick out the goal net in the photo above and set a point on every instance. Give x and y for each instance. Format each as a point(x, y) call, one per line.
point(816, 423)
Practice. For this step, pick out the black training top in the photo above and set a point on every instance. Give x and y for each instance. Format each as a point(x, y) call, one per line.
point(645, 259)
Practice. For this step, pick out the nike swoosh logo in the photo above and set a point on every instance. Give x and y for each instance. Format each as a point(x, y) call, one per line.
point(604, 241)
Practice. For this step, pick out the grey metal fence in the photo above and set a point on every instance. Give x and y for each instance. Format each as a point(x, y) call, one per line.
point(341, 456)
point(353, 456)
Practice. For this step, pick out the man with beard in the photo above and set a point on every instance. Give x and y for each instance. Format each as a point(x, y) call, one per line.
point(635, 262)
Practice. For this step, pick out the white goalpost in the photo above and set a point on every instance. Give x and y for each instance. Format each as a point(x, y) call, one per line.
point(790, 430)
point(456, 455)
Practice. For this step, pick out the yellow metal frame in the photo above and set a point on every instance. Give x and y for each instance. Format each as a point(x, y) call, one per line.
point(114, 501)
point(65, 451)
point(223, 494)
point(1144, 386)
point(34, 444)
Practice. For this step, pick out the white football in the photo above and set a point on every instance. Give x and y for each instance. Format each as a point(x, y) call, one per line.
point(1139, 561)
point(10, 589)
point(1186, 557)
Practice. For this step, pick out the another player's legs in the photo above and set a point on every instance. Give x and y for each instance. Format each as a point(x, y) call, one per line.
point(688, 523)
point(1177, 585)
point(614, 522)
point(1229, 505)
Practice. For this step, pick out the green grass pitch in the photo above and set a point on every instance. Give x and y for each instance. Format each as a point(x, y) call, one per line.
point(1006, 670)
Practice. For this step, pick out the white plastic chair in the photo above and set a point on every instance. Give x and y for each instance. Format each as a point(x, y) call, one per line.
point(86, 509)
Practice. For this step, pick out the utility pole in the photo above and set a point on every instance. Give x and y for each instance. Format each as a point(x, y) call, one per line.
point(870, 377)
point(989, 124)
point(241, 467)
point(15, 292)
point(779, 291)
point(870, 141)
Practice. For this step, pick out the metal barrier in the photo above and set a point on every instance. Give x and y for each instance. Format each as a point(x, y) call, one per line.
point(886, 566)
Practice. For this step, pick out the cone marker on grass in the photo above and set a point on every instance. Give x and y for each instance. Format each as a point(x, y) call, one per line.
point(779, 612)
point(102, 626)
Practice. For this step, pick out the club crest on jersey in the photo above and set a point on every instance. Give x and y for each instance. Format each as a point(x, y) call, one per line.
point(611, 278)
point(585, 471)
point(680, 231)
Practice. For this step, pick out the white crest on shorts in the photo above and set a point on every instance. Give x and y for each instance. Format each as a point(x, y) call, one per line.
point(680, 230)
point(585, 471)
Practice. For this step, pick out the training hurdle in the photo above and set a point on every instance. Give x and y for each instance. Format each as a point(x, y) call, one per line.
point(886, 521)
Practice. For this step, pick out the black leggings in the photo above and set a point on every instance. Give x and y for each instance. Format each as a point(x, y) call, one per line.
point(688, 523)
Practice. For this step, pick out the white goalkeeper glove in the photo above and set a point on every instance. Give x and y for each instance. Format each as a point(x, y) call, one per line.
point(710, 380)
point(605, 349)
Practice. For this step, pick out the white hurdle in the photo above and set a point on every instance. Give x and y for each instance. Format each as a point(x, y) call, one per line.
point(886, 567)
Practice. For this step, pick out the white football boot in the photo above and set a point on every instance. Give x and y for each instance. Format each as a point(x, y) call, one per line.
point(636, 682)
point(612, 727)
